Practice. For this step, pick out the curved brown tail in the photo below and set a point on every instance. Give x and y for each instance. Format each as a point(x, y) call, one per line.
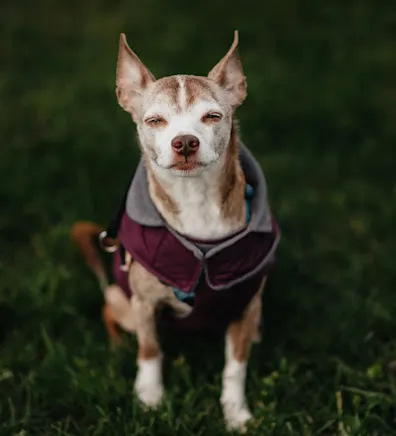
point(83, 234)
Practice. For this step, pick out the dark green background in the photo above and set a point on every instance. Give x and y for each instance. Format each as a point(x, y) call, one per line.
point(321, 118)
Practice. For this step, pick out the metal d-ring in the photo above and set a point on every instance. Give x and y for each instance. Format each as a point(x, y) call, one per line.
point(109, 248)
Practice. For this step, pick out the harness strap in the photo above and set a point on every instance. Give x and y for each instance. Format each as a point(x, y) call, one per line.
point(113, 227)
point(114, 223)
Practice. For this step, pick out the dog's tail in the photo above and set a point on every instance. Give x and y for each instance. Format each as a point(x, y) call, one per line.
point(83, 234)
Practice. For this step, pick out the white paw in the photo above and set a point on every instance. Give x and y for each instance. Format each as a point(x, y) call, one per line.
point(236, 415)
point(235, 409)
point(148, 383)
point(150, 394)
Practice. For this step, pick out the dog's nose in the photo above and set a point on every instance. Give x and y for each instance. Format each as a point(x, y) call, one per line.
point(185, 144)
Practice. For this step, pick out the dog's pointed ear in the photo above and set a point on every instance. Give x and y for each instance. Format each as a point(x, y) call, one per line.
point(228, 73)
point(132, 78)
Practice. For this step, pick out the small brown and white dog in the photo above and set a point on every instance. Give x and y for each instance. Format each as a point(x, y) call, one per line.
point(196, 223)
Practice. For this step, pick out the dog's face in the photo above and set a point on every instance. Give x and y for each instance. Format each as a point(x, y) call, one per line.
point(183, 122)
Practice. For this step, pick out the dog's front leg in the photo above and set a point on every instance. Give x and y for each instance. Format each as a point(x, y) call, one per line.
point(148, 383)
point(239, 338)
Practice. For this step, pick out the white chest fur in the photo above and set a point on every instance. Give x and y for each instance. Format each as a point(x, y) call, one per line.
point(199, 205)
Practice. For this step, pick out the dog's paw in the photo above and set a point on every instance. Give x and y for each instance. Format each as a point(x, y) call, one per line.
point(149, 394)
point(236, 415)
point(148, 383)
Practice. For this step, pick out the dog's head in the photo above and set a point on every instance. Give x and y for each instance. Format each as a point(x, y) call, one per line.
point(184, 122)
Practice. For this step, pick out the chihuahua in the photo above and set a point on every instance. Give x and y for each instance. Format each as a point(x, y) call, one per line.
point(195, 237)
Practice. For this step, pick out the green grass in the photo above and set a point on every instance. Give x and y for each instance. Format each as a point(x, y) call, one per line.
point(320, 116)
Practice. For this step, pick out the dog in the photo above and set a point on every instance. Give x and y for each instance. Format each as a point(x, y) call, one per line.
point(195, 237)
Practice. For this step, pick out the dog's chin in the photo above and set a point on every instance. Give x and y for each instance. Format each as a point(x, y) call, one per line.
point(187, 171)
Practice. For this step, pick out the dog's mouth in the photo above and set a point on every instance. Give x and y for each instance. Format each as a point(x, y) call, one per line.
point(188, 163)
point(186, 166)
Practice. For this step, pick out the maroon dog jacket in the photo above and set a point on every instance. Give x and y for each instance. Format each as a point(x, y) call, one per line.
point(218, 278)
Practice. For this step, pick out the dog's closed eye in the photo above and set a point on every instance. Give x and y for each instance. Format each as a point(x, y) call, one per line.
point(211, 117)
point(155, 121)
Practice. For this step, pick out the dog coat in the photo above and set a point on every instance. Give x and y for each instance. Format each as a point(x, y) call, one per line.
point(218, 278)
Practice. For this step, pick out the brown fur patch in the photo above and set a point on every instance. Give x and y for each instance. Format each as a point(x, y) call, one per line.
point(83, 234)
point(149, 294)
point(110, 324)
point(233, 184)
point(157, 192)
point(148, 350)
point(244, 331)
point(169, 86)
point(197, 88)
point(146, 333)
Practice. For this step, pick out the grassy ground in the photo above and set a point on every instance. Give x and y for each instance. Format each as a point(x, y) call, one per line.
point(320, 116)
